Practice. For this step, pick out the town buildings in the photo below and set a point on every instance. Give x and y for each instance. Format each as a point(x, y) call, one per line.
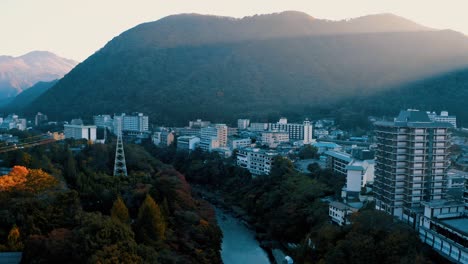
point(103, 121)
point(13, 121)
point(340, 212)
point(80, 132)
point(301, 132)
point(40, 118)
point(238, 142)
point(444, 117)
point(411, 163)
point(164, 137)
point(243, 124)
point(187, 143)
point(257, 161)
point(272, 139)
point(199, 123)
point(213, 136)
point(444, 227)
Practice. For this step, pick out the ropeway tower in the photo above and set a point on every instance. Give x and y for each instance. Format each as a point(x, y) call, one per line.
point(120, 168)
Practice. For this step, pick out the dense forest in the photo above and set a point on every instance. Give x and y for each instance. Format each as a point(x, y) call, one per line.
point(191, 66)
point(60, 204)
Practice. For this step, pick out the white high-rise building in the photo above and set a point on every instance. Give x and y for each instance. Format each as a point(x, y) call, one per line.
point(302, 131)
point(243, 124)
point(412, 157)
point(307, 132)
point(131, 123)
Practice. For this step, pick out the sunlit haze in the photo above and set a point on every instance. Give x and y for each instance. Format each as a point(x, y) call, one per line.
point(76, 29)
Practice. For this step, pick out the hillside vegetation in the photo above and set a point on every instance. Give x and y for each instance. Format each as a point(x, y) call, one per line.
point(188, 66)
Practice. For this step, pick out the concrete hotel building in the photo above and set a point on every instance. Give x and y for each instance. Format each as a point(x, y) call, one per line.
point(257, 161)
point(187, 143)
point(444, 117)
point(80, 132)
point(296, 131)
point(243, 124)
point(213, 137)
point(273, 138)
point(411, 163)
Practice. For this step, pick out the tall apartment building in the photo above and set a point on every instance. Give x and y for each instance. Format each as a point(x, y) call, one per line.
point(444, 117)
point(243, 124)
point(40, 118)
point(296, 131)
point(411, 163)
point(214, 136)
point(136, 122)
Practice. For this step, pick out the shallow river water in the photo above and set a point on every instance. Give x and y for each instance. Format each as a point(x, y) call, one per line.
point(239, 244)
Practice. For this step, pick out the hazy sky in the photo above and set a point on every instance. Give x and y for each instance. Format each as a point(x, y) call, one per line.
point(77, 28)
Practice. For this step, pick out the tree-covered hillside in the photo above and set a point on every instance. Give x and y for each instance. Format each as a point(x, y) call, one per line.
point(189, 66)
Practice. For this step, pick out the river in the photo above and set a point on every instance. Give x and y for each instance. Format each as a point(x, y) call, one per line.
point(239, 244)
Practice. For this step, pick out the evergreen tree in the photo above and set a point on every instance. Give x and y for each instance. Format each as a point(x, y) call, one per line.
point(70, 168)
point(119, 211)
point(150, 223)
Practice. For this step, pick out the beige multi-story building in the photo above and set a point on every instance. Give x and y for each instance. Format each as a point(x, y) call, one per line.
point(273, 138)
point(302, 131)
point(412, 157)
point(214, 136)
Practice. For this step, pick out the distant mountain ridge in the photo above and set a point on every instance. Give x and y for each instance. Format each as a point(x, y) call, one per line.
point(20, 73)
point(195, 29)
point(187, 66)
point(27, 96)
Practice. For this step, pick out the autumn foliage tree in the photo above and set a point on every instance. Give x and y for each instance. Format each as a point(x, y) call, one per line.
point(150, 224)
point(22, 179)
point(14, 242)
point(119, 211)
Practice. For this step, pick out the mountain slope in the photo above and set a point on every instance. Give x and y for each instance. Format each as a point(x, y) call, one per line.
point(20, 73)
point(188, 66)
point(445, 92)
point(29, 95)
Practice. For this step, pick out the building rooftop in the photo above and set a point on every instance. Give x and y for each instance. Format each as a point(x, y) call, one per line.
point(459, 224)
point(413, 118)
point(339, 155)
point(442, 203)
point(326, 145)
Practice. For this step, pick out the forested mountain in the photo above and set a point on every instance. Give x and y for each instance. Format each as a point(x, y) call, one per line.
point(218, 68)
point(29, 95)
point(444, 92)
point(19, 73)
